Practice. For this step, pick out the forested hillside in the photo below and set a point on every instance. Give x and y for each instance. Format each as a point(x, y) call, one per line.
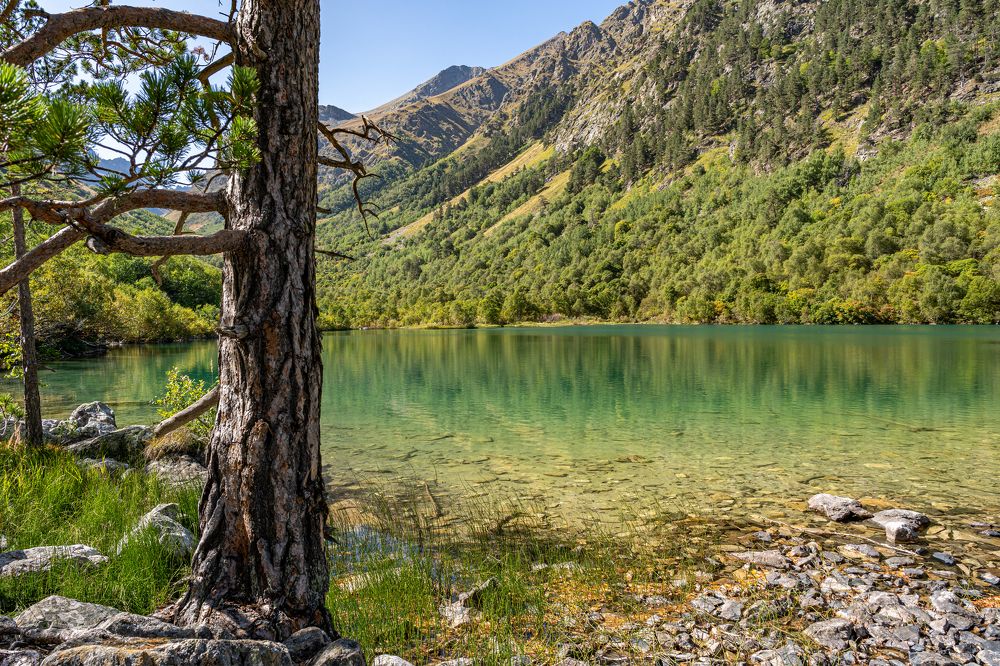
point(712, 161)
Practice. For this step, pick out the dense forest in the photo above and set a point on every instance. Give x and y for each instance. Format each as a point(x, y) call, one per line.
point(734, 162)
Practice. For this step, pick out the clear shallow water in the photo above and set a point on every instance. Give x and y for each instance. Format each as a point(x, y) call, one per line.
point(589, 420)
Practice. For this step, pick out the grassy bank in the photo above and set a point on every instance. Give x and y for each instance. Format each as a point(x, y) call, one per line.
point(46, 499)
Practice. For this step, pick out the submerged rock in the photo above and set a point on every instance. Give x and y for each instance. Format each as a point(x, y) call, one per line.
point(900, 525)
point(765, 558)
point(839, 509)
point(42, 558)
point(162, 523)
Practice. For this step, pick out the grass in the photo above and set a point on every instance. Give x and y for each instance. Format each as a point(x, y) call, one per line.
point(46, 499)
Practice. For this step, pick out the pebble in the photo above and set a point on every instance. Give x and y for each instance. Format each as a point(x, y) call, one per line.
point(944, 558)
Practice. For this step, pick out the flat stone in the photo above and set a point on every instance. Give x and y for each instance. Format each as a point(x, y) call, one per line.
point(179, 472)
point(343, 652)
point(130, 625)
point(731, 610)
point(930, 659)
point(839, 509)
point(900, 562)
point(125, 444)
point(42, 558)
point(834, 634)
point(862, 549)
point(174, 653)
point(987, 577)
point(764, 558)
point(945, 558)
point(162, 524)
point(55, 614)
point(462, 661)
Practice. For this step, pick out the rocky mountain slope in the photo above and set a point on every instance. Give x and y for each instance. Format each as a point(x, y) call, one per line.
point(580, 178)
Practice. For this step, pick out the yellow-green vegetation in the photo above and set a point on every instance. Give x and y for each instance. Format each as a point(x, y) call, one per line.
point(48, 499)
point(400, 557)
point(907, 236)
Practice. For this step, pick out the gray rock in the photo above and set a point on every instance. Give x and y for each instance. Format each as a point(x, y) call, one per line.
point(162, 523)
point(765, 558)
point(945, 558)
point(42, 558)
point(179, 473)
point(900, 525)
point(461, 661)
point(992, 579)
point(569, 661)
point(899, 562)
point(789, 655)
point(307, 643)
point(130, 625)
point(731, 610)
point(174, 653)
point(20, 658)
point(521, 660)
point(343, 652)
point(930, 659)
point(863, 549)
point(107, 466)
point(125, 444)
point(93, 419)
point(989, 657)
point(53, 615)
point(833, 634)
point(839, 509)
point(706, 603)
point(389, 660)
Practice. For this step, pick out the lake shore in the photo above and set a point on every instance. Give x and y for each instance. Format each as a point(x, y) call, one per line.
point(499, 581)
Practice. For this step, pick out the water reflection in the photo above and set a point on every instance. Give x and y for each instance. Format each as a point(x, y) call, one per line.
point(591, 418)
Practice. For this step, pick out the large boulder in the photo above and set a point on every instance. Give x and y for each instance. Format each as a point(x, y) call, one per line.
point(42, 558)
point(56, 616)
point(839, 509)
point(93, 419)
point(901, 525)
point(125, 444)
point(179, 472)
point(146, 652)
point(163, 524)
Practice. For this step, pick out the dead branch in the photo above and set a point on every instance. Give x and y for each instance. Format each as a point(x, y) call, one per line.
point(208, 401)
point(60, 27)
point(369, 132)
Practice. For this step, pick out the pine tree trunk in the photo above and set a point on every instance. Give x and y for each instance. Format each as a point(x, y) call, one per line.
point(32, 434)
point(261, 564)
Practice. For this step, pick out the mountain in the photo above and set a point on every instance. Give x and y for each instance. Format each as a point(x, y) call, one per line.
point(703, 160)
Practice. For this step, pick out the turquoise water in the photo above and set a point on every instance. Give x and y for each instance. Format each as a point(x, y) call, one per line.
point(591, 419)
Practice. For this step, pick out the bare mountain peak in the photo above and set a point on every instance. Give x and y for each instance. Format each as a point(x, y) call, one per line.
point(440, 83)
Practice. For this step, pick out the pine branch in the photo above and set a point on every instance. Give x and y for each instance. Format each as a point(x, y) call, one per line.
point(60, 27)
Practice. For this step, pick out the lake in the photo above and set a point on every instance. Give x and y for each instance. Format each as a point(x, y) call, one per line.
point(591, 420)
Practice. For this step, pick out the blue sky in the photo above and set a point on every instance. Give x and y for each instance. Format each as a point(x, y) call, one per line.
point(396, 44)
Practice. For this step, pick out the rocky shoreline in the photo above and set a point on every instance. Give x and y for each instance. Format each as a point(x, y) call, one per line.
point(861, 585)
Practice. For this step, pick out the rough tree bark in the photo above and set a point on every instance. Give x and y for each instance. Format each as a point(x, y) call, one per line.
point(261, 565)
point(32, 435)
